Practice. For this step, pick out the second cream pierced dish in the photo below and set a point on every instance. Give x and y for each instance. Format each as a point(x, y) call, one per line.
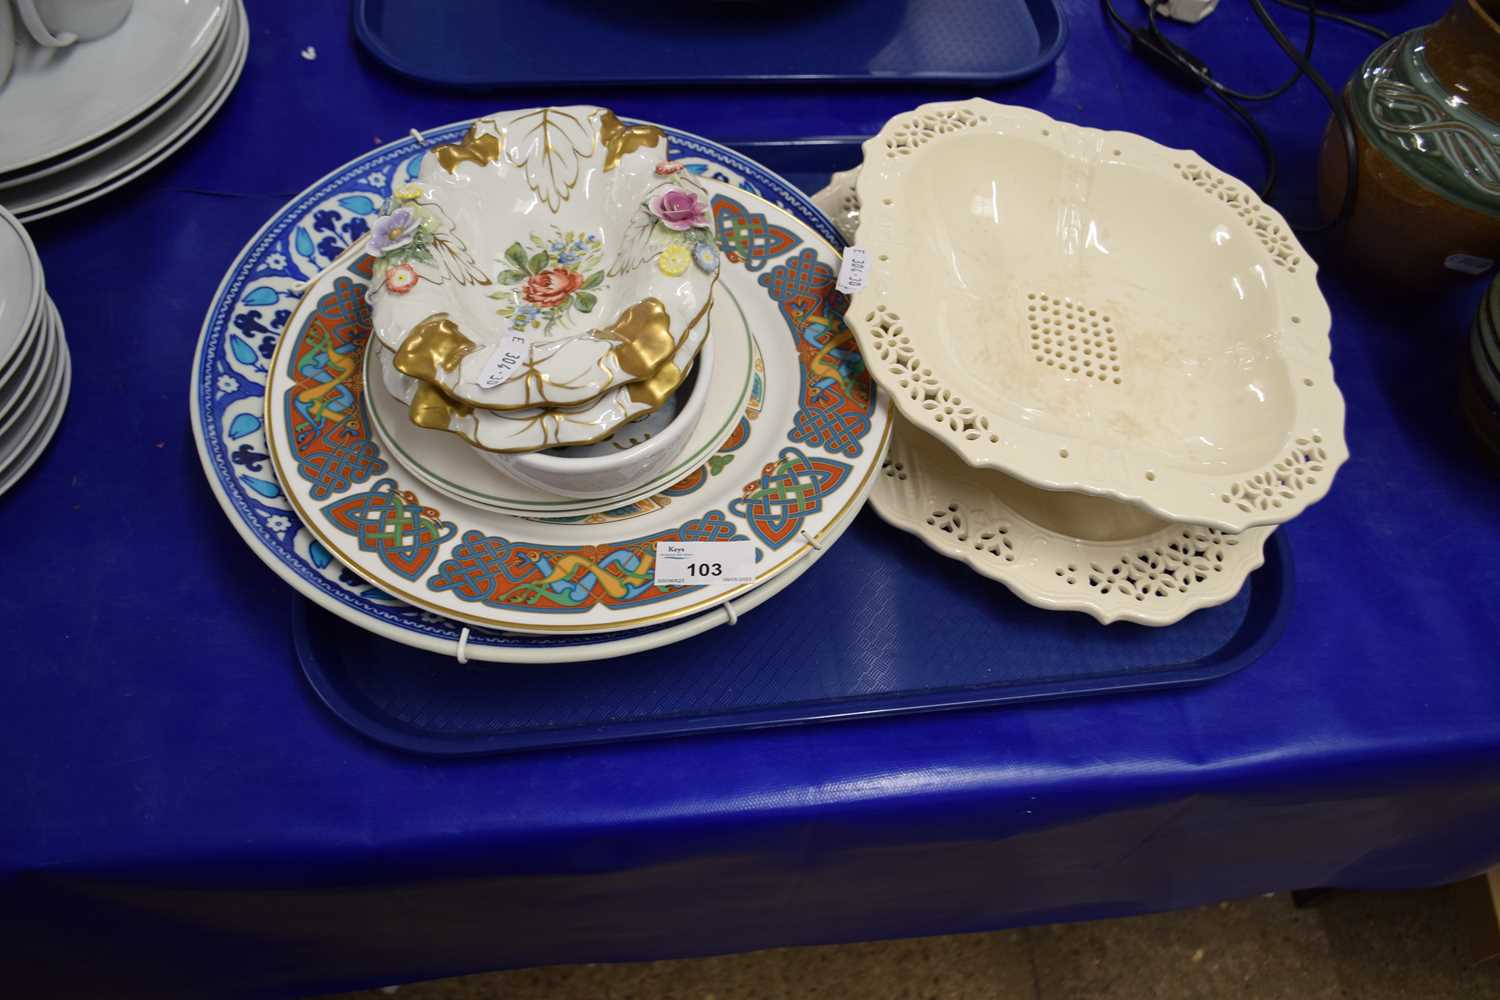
point(1060, 551)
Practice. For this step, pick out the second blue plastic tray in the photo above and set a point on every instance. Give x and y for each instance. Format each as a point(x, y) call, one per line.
point(845, 641)
point(489, 43)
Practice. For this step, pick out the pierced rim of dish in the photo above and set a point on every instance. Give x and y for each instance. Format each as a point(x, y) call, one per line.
point(895, 327)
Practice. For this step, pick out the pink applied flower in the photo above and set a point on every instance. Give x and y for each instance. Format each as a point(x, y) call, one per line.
point(679, 209)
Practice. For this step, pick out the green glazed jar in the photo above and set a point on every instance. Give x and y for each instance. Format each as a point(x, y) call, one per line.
point(1426, 111)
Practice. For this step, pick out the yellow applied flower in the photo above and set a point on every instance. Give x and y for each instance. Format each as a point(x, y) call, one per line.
point(674, 260)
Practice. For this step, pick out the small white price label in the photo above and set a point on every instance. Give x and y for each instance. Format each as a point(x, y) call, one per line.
point(1467, 263)
point(853, 271)
point(680, 564)
point(503, 362)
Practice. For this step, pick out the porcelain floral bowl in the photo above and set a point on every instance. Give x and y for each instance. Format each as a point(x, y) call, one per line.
point(549, 257)
point(635, 453)
point(1092, 311)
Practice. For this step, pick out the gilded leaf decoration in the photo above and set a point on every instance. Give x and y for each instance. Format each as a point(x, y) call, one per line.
point(434, 345)
point(620, 141)
point(472, 148)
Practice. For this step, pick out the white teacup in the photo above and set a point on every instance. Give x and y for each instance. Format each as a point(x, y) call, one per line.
point(58, 23)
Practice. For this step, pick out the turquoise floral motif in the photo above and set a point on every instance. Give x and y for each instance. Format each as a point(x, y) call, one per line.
point(550, 277)
point(322, 234)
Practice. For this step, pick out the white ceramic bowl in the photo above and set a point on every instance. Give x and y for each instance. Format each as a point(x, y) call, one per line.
point(634, 454)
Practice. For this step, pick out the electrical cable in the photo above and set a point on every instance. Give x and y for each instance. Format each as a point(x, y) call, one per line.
point(1267, 149)
point(1345, 19)
point(1191, 72)
point(1335, 105)
point(1223, 90)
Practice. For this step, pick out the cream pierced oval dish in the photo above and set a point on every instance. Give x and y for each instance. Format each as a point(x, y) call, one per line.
point(1059, 551)
point(562, 226)
point(1092, 311)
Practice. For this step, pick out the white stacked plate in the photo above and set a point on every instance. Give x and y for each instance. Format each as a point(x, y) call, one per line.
point(34, 366)
point(81, 121)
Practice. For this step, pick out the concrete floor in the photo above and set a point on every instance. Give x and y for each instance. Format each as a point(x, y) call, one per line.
point(1355, 946)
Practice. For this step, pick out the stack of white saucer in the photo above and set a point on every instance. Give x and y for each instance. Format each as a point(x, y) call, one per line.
point(93, 94)
point(35, 369)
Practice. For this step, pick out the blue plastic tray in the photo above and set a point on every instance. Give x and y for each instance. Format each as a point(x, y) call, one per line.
point(834, 645)
point(505, 43)
point(806, 161)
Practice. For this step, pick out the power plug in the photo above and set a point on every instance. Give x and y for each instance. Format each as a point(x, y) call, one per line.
point(1187, 11)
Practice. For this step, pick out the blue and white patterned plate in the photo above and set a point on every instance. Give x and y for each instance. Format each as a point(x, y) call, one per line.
point(261, 290)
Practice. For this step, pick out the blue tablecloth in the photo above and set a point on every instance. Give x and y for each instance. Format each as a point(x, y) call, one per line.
point(178, 814)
